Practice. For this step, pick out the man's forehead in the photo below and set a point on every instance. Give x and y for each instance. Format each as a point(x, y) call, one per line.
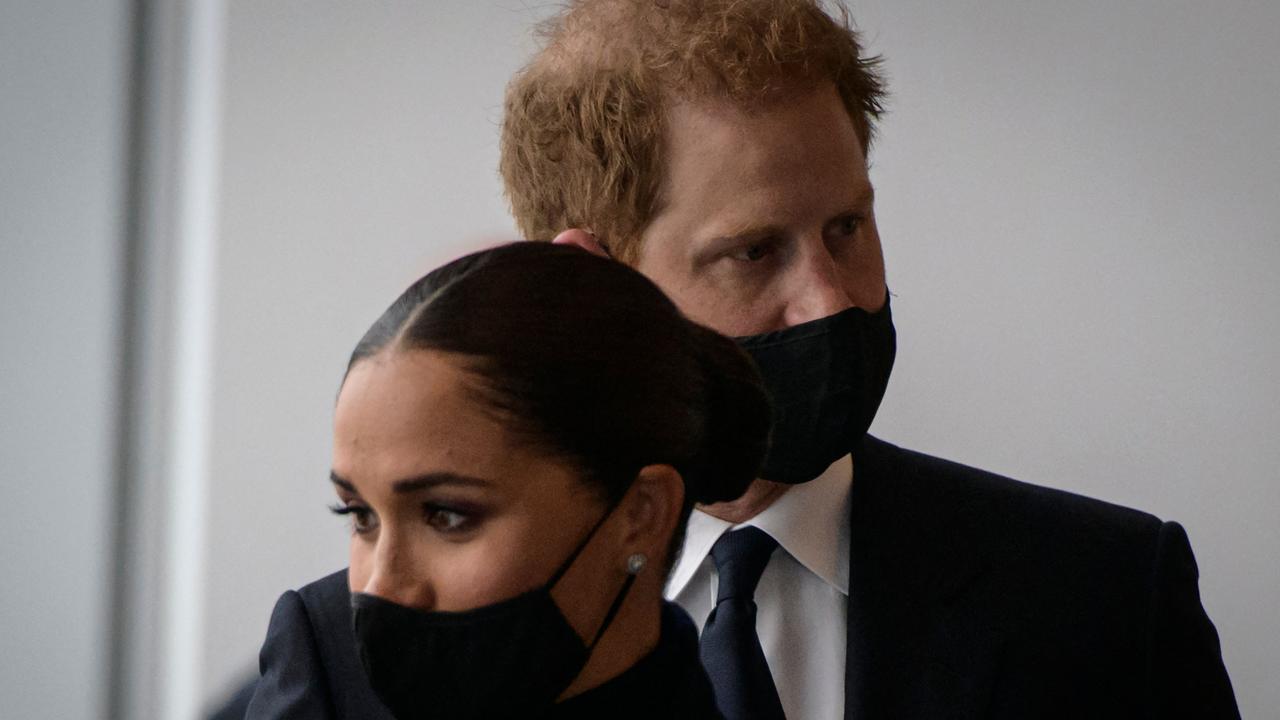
point(716, 127)
point(716, 148)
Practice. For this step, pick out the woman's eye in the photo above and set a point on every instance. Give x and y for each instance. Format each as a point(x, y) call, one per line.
point(363, 520)
point(447, 519)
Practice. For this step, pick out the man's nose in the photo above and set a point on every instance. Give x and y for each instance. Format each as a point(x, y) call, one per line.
point(816, 289)
point(396, 579)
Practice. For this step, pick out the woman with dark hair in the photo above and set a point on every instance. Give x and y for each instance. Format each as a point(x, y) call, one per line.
point(518, 442)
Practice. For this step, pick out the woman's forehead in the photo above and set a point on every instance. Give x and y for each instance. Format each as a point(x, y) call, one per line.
point(406, 415)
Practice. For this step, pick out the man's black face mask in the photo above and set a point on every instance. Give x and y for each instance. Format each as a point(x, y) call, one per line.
point(826, 379)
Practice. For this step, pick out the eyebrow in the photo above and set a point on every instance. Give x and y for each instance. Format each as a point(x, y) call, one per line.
point(737, 237)
point(866, 196)
point(416, 483)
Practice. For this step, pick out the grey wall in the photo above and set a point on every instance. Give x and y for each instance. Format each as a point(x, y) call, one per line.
point(62, 143)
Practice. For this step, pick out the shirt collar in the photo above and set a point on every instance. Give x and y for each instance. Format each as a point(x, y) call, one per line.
point(810, 521)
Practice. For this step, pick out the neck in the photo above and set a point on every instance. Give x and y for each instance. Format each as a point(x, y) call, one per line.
point(632, 635)
point(759, 496)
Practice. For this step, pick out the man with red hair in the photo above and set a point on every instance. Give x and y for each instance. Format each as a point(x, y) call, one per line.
point(719, 146)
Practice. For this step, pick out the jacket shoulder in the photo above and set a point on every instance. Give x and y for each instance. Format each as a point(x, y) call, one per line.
point(321, 611)
point(1060, 586)
point(292, 682)
point(953, 521)
point(327, 600)
point(1013, 506)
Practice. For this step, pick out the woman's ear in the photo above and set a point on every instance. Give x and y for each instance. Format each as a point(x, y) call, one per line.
point(651, 511)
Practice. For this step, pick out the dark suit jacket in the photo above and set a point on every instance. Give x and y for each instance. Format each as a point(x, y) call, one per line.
point(310, 669)
point(970, 596)
point(976, 596)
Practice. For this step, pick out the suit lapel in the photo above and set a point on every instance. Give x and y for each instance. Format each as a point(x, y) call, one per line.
point(919, 642)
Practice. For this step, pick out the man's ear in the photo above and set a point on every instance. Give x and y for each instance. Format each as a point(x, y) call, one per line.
point(584, 239)
point(651, 510)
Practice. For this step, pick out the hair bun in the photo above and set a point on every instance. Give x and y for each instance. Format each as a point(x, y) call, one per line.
point(738, 420)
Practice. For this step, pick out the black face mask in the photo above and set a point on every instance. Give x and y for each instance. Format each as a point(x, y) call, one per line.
point(510, 659)
point(826, 378)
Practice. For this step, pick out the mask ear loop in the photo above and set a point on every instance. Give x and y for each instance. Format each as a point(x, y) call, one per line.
point(633, 569)
point(573, 556)
point(614, 608)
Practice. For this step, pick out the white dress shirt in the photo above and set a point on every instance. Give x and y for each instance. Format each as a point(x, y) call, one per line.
point(803, 593)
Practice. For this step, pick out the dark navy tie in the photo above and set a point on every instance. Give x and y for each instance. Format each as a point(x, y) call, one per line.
point(729, 646)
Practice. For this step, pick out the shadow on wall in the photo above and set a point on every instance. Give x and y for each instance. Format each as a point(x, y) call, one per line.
point(235, 707)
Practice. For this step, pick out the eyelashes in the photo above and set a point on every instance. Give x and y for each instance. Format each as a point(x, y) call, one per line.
point(362, 518)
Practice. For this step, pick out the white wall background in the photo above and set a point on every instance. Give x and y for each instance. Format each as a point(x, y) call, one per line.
point(1078, 203)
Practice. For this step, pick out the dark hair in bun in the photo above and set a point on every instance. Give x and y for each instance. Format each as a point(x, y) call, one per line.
point(587, 360)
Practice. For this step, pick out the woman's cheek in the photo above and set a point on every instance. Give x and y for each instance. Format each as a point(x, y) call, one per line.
point(358, 568)
point(483, 576)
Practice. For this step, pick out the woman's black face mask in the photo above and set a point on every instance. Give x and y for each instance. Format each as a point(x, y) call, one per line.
point(826, 379)
point(510, 659)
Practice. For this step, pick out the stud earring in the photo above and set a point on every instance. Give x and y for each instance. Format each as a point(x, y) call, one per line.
point(636, 563)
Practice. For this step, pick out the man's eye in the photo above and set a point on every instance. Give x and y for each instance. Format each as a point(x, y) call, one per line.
point(847, 225)
point(754, 253)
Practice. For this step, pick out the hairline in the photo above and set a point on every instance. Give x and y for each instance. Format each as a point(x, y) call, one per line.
point(629, 250)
